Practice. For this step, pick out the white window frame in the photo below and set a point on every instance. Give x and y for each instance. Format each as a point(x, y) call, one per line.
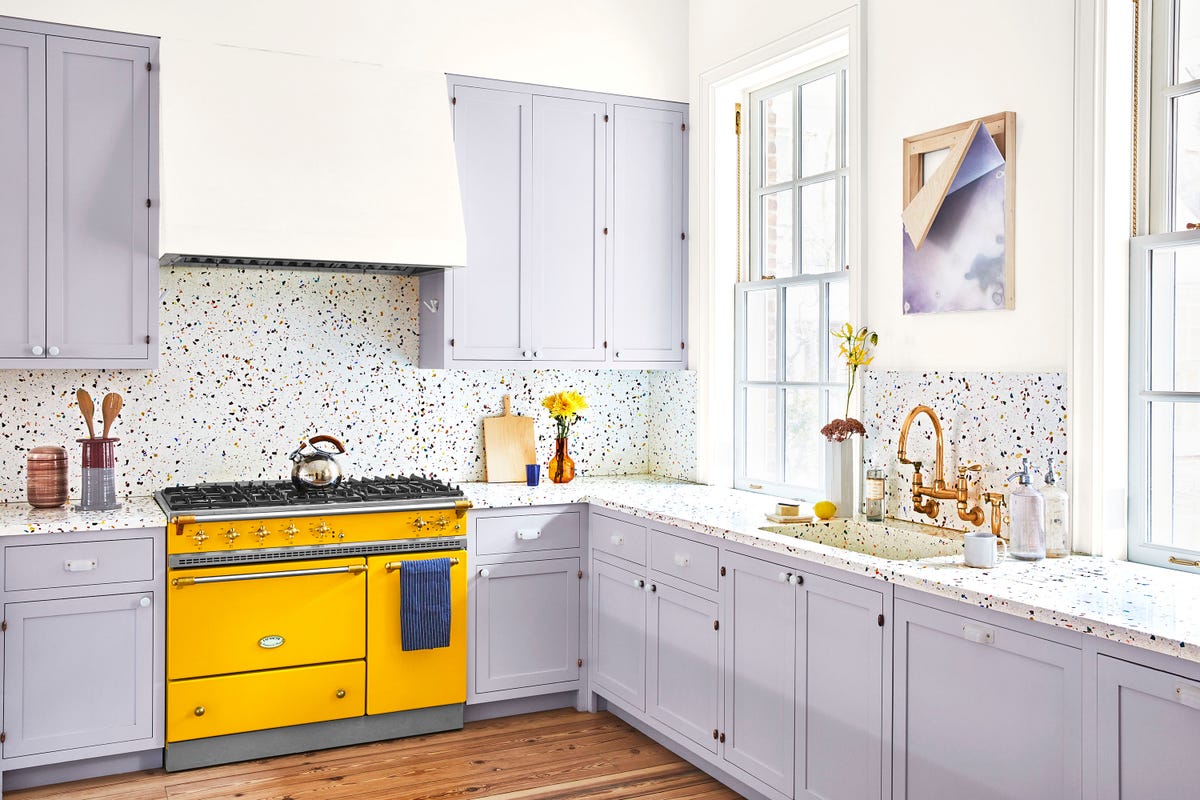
point(1160, 40)
point(825, 385)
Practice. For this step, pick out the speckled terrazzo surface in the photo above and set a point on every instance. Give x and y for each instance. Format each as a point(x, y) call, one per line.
point(135, 512)
point(251, 361)
point(1148, 607)
point(992, 419)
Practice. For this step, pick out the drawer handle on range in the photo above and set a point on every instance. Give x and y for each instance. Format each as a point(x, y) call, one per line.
point(392, 566)
point(530, 534)
point(682, 559)
point(483, 573)
point(79, 564)
point(1188, 695)
point(353, 569)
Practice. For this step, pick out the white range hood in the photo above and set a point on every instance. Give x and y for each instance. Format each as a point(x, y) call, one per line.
point(301, 161)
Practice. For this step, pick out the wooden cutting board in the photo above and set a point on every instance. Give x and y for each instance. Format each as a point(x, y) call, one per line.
point(507, 446)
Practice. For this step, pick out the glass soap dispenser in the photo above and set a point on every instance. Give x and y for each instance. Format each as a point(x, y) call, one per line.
point(1027, 518)
point(1057, 515)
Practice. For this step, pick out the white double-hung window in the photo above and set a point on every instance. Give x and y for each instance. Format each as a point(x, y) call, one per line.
point(788, 380)
point(1164, 353)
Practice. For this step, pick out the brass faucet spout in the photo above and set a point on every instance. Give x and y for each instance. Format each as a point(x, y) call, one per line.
point(939, 477)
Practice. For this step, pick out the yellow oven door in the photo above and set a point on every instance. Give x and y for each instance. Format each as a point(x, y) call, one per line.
point(264, 616)
point(397, 679)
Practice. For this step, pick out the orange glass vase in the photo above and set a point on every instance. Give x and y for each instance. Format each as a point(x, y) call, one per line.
point(561, 468)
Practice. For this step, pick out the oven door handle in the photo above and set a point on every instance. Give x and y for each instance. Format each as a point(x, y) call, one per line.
point(353, 569)
point(392, 566)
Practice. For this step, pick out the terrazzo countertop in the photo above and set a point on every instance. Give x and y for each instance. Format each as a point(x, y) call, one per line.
point(1148, 607)
point(135, 512)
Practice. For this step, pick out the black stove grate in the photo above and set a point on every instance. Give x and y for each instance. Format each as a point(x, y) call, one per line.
point(275, 494)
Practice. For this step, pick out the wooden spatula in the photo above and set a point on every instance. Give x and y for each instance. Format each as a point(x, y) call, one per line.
point(110, 407)
point(88, 409)
point(507, 446)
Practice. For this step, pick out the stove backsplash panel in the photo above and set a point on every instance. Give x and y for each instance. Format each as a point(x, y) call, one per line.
point(992, 419)
point(251, 361)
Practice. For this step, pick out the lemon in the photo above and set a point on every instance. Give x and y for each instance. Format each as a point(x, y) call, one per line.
point(824, 509)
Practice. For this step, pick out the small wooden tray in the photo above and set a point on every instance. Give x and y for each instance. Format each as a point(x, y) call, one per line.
point(788, 520)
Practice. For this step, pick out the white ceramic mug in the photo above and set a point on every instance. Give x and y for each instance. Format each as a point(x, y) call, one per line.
point(979, 550)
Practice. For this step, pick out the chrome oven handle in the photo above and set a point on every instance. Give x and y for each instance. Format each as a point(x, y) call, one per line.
point(353, 569)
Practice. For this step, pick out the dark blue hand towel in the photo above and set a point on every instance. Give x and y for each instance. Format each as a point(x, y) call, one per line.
point(425, 604)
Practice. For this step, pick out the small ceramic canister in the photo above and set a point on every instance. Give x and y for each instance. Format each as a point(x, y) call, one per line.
point(47, 476)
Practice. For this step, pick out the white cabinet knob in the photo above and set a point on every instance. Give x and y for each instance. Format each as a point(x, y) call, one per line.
point(618, 540)
point(617, 354)
point(793, 579)
point(783, 577)
point(144, 602)
point(53, 350)
point(638, 583)
point(524, 354)
point(483, 573)
point(537, 353)
point(37, 350)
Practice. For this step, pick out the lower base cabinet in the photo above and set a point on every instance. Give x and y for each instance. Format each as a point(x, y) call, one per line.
point(1149, 732)
point(78, 672)
point(984, 712)
point(684, 663)
point(618, 624)
point(526, 624)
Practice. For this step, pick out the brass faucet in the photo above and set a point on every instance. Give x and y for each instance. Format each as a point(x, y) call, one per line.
point(925, 498)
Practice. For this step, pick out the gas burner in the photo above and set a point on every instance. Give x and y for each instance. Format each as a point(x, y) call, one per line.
point(251, 495)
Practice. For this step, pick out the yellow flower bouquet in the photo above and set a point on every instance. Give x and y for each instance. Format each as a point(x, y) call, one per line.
point(564, 408)
point(856, 348)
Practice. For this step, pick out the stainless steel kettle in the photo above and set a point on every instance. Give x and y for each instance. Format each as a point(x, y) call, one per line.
point(317, 468)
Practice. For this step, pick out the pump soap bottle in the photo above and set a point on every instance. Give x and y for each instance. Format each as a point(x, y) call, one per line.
point(1027, 518)
point(1057, 515)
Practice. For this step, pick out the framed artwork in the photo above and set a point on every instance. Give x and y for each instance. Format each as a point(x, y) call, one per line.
point(959, 214)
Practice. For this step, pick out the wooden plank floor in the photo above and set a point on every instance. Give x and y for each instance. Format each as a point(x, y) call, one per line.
point(554, 754)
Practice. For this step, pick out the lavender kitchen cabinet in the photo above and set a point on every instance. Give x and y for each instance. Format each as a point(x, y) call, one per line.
point(618, 628)
point(78, 673)
point(526, 625)
point(1149, 732)
point(648, 282)
point(982, 711)
point(683, 666)
point(79, 236)
point(540, 196)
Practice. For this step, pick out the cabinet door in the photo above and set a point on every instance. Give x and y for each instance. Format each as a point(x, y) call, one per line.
point(760, 670)
point(23, 200)
point(98, 260)
point(567, 258)
point(526, 624)
point(684, 664)
point(982, 711)
point(839, 680)
point(619, 630)
point(493, 144)
point(1149, 728)
point(78, 673)
point(648, 248)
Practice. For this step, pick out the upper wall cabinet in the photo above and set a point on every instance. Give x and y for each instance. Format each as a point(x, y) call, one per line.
point(574, 205)
point(78, 229)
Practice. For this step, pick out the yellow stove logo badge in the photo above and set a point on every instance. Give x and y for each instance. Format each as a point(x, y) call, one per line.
point(270, 642)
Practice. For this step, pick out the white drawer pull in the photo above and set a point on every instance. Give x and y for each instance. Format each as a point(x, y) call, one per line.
point(978, 634)
point(79, 564)
point(529, 535)
point(1189, 696)
point(618, 540)
point(682, 559)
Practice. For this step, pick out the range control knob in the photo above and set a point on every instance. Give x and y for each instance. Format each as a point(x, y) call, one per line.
point(419, 523)
point(199, 537)
point(442, 521)
point(290, 531)
point(262, 532)
point(321, 530)
point(231, 534)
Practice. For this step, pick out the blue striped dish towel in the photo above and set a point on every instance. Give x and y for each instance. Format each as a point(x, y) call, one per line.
point(425, 604)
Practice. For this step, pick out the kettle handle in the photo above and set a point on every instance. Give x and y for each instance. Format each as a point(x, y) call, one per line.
point(327, 438)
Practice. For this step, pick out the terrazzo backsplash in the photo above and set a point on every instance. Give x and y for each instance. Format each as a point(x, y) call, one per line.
point(992, 419)
point(252, 361)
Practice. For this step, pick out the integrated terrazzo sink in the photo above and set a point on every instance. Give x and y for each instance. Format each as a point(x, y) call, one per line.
point(895, 541)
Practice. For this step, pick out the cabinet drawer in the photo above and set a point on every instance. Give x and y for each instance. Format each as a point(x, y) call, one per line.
point(51, 566)
point(527, 532)
point(254, 701)
point(685, 559)
point(626, 540)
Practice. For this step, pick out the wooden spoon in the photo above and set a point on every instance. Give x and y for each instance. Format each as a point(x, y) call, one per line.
point(88, 409)
point(110, 407)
